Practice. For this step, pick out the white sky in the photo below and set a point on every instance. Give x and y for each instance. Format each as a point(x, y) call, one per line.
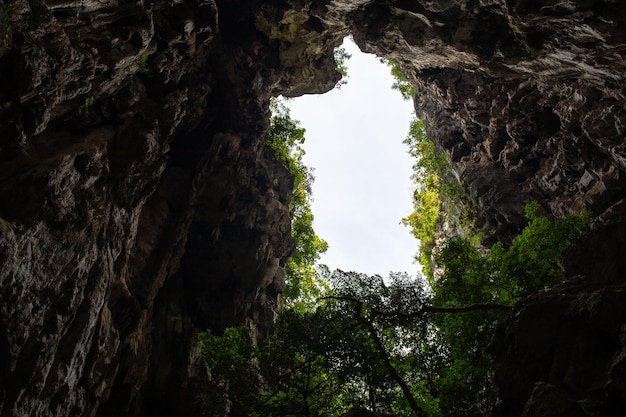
point(362, 185)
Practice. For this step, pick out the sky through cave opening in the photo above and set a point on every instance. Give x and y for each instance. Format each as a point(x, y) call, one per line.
point(362, 186)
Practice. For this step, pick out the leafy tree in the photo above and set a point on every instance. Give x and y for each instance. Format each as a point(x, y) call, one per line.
point(395, 323)
point(286, 137)
point(427, 196)
point(230, 361)
point(345, 353)
point(502, 275)
point(393, 346)
point(298, 380)
point(288, 376)
point(531, 264)
point(413, 351)
point(367, 357)
point(401, 83)
point(534, 260)
point(341, 57)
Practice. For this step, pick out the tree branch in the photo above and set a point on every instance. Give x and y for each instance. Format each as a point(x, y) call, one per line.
point(380, 347)
point(466, 309)
point(424, 309)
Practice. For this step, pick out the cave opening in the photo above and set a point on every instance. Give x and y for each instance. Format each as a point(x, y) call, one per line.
point(362, 170)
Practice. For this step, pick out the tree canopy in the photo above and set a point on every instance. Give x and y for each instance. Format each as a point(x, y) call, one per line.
point(402, 345)
point(286, 137)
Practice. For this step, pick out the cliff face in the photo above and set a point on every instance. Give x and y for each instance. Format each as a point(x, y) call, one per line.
point(526, 96)
point(138, 201)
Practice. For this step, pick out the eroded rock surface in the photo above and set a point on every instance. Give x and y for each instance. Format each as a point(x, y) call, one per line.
point(526, 96)
point(139, 203)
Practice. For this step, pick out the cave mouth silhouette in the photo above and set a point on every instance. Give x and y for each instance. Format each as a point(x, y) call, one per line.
point(362, 186)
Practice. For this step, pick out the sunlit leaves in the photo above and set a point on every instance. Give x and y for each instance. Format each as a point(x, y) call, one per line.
point(424, 219)
point(401, 83)
point(534, 260)
point(285, 136)
point(501, 275)
point(341, 56)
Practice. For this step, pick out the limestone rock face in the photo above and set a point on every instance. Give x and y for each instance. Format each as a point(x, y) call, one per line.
point(525, 95)
point(139, 203)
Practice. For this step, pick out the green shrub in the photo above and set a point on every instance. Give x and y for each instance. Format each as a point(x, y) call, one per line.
point(499, 276)
point(341, 57)
point(286, 137)
point(401, 83)
point(434, 192)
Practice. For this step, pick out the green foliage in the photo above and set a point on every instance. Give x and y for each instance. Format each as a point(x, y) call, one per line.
point(401, 83)
point(229, 353)
point(286, 137)
point(430, 193)
point(325, 361)
point(142, 65)
point(533, 262)
point(341, 57)
point(377, 348)
point(93, 107)
point(230, 361)
point(465, 383)
point(429, 161)
point(392, 346)
point(288, 376)
point(501, 275)
point(87, 107)
point(520, 37)
point(298, 379)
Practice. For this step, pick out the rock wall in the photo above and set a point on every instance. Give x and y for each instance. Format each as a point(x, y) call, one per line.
point(526, 96)
point(138, 202)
